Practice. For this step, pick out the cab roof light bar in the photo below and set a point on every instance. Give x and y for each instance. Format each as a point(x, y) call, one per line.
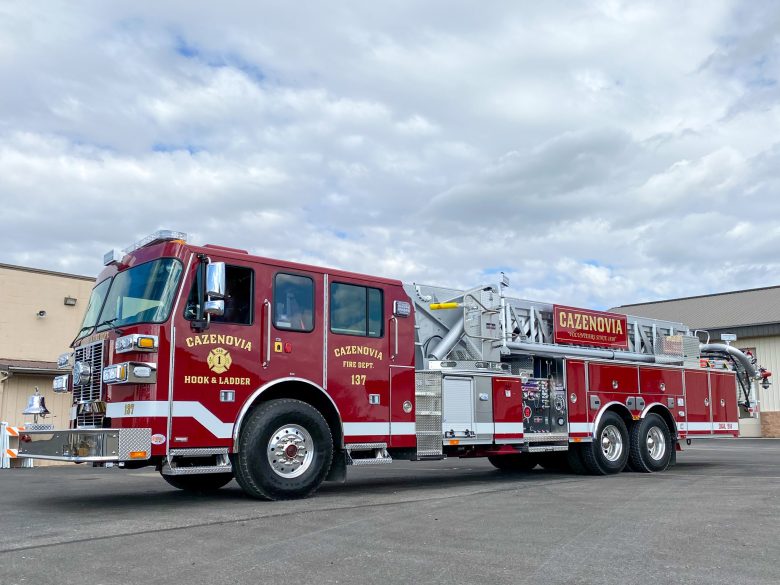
point(115, 256)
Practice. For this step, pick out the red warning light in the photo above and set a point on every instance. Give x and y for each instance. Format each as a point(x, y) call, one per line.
point(288, 347)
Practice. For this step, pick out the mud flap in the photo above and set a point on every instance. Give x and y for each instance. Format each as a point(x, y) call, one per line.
point(338, 469)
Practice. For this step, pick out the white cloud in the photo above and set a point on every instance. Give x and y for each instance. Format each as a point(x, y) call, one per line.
point(599, 153)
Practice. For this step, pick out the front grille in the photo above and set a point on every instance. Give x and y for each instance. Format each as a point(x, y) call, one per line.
point(92, 389)
point(89, 421)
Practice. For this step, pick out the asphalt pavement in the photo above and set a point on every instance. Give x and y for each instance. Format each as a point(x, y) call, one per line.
point(714, 518)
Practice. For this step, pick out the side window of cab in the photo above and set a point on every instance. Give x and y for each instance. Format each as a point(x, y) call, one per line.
point(239, 287)
point(293, 302)
point(356, 310)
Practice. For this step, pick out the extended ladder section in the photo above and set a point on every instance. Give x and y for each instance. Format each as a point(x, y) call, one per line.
point(483, 325)
point(465, 339)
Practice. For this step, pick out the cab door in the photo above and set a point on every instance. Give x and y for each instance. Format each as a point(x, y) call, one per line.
point(216, 367)
point(359, 357)
point(291, 325)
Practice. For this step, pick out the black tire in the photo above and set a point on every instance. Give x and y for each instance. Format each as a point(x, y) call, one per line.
point(574, 459)
point(513, 463)
point(611, 434)
point(651, 445)
point(270, 430)
point(202, 483)
point(556, 461)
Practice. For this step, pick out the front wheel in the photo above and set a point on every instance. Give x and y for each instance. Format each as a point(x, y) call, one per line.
point(513, 462)
point(608, 452)
point(651, 445)
point(285, 451)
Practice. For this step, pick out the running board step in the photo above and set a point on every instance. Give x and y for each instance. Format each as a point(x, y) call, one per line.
point(177, 465)
point(367, 454)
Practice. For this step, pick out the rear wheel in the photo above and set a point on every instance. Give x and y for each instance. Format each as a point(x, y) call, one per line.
point(556, 461)
point(200, 483)
point(515, 462)
point(651, 445)
point(285, 451)
point(608, 452)
point(574, 459)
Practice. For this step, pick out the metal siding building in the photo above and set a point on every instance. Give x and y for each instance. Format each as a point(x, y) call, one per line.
point(31, 341)
point(754, 316)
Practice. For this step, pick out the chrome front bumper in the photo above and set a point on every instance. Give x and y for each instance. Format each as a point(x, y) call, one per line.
point(87, 445)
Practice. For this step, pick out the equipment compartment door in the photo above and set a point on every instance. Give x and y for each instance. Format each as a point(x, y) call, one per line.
point(697, 403)
point(725, 418)
point(508, 410)
point(458, 407)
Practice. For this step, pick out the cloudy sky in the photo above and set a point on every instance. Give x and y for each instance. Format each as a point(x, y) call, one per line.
point(600, 153)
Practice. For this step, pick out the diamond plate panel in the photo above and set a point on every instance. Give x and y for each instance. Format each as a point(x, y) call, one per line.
point(199, 452)
point(428, 390)
point(134, 440)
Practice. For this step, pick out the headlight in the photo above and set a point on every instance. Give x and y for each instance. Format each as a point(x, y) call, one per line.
point(60, 383)
point(115, 374)
point(63, 361)
point(130, 373)
point(136, 342)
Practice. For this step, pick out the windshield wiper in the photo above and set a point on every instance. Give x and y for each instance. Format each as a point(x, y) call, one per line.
point(106, 322)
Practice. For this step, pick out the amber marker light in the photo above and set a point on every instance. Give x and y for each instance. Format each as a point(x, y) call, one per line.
point(138, 454)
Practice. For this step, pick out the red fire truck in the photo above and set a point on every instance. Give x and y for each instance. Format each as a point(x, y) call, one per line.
point(209, 363)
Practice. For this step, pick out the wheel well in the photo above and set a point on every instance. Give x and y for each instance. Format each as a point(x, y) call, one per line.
point(309, 394)
point(622, 412)
point(667, 416)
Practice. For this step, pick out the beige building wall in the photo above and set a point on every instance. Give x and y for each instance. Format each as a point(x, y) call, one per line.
point(768, 354)
point(23, 293)
point(24, 335)
point(17, 389)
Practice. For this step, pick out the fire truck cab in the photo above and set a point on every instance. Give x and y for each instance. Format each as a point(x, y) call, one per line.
point(209, 363)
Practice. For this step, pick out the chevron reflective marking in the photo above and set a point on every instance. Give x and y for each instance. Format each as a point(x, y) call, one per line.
point(181, 409)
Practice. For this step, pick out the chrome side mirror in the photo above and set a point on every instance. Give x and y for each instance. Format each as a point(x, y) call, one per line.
point(215, 282)
point(214, 308)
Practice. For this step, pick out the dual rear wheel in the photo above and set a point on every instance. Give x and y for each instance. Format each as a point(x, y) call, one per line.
point(647, 446)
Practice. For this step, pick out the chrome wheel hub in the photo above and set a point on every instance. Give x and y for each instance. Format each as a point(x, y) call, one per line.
point(290, 451)
point(656, 443)
point(611, 443)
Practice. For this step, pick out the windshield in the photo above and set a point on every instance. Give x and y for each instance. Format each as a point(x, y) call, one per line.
point(95, 304)
point(142, 294)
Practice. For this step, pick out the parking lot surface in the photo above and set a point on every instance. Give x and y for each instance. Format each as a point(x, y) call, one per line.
point(714, 518)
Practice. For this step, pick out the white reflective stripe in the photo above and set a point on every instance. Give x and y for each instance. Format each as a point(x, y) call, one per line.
point(483, 428)
point(580, 427)
point(366, 428)
point(402, 428)
point(695, 426)
point(142, 408)
point(509, 428)
point(183, 409)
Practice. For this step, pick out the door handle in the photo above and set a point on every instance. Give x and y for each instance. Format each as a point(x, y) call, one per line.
point(394, 321)
point(267, 310)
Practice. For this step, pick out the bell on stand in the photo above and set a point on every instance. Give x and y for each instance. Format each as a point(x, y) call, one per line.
point(36, 406)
